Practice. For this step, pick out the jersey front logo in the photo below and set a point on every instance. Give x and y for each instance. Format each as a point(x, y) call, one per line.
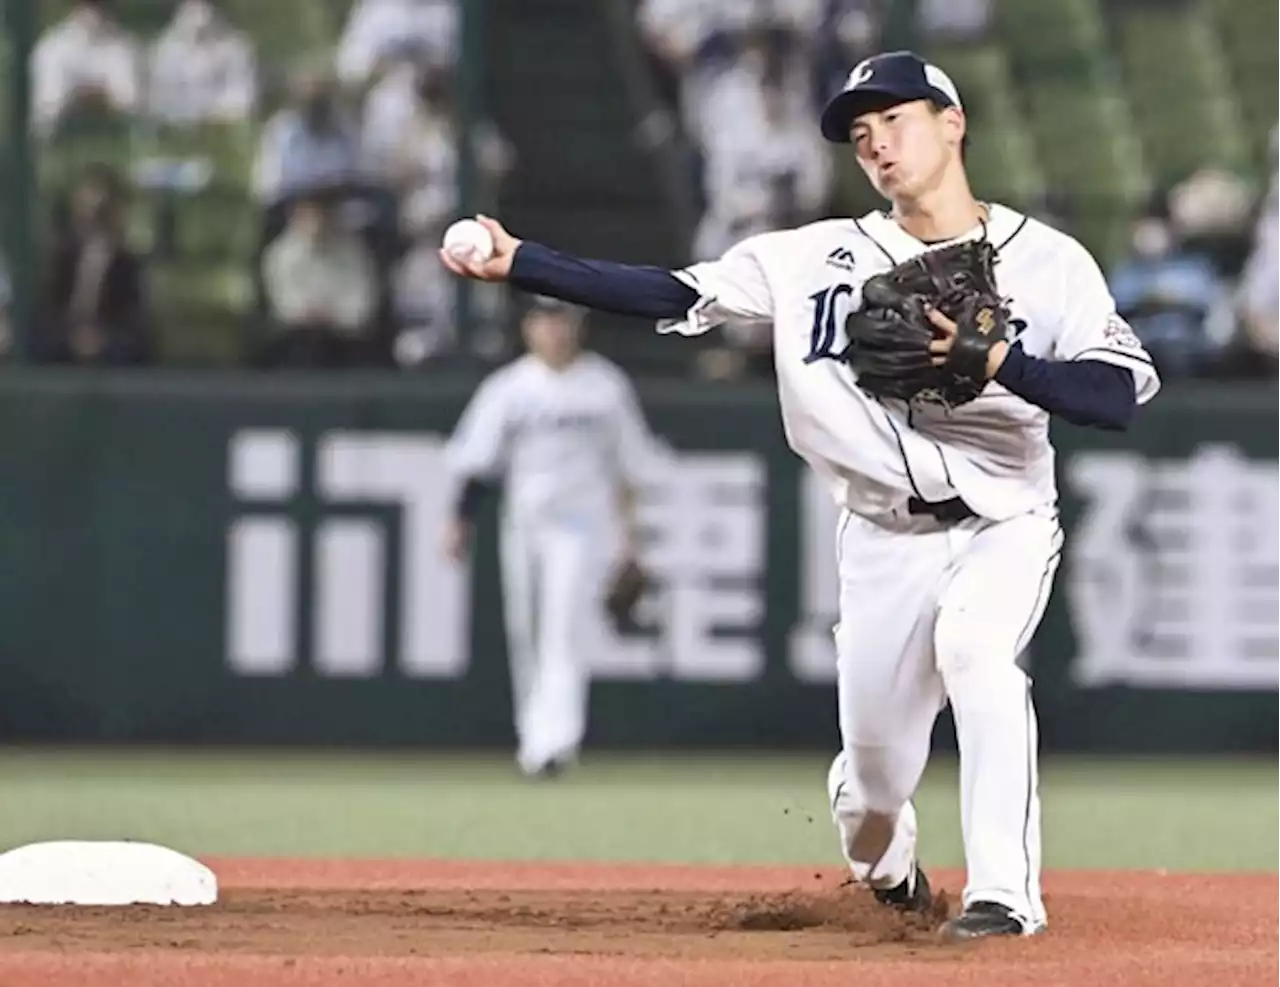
point(549, 421)
point(826, 333)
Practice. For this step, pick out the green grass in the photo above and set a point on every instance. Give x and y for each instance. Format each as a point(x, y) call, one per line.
point(1175, 814)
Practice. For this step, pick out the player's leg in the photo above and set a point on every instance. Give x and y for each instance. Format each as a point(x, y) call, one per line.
point(848, 811)
point(888, 690)
point(569, 626)
point(519, 560)
point(987, 613)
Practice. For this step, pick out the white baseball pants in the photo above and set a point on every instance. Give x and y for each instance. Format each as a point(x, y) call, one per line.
point(554, 578)
point(931, 614)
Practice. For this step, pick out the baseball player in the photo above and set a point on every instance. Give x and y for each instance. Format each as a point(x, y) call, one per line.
point(948, 538)
point(563, 429)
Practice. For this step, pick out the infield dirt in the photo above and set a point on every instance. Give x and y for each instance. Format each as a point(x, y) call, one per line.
point(282, 923)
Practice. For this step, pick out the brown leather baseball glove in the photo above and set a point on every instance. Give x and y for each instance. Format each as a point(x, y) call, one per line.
point(626, 587)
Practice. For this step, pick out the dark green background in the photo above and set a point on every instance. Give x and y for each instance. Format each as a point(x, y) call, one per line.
point(113, 514)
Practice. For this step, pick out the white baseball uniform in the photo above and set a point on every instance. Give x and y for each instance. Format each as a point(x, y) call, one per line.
point(563, 441)
point(929, 611)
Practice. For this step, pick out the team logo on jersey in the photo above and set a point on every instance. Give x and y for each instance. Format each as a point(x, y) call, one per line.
point(826, 335)
point(986, 321)
point(841, 257)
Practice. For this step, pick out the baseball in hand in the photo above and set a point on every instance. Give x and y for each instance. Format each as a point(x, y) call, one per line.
point(467, 240)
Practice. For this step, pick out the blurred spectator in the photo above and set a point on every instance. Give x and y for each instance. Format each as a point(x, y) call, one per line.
point(202, 68)
point(772, 59)
point(665, 47)
point(744, 77)
point(744, 350)
point(422, 167)
point(424, 297)
point(1259, 296)
point(770, 168)
point(1211, 212)
point(378, 31)
point(309, 145)
point(1259, 293)
point(85, 64)
point(953, 20)
point(1173, 299)
point(388, 109)
point(779, 181)
point(690, 43)
point(322, 287)
point(848, 32)
point(422, 163)
point(95, 308)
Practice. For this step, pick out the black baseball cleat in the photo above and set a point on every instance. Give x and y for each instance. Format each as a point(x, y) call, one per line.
point(550, 770)
point(912, 895)
point(979, 920)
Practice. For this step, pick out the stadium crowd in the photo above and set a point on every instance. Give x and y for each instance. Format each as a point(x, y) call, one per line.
point(355, 175)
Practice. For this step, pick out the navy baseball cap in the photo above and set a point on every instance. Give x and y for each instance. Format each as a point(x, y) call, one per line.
point(546, 303)
point(554, 306)
point(880, 82)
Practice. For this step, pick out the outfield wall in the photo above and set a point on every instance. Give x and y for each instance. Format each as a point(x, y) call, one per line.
point(213, 558)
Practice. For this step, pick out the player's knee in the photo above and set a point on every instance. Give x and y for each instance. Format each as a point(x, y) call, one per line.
point(865, 779)
point(982, 678)
point(866, 830)
point(965, 649)
point(848, 809)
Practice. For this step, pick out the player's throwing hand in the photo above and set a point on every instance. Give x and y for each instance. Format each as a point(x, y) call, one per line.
point(498, 266)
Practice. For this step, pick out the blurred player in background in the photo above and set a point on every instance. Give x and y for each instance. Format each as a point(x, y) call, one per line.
point(560, 427)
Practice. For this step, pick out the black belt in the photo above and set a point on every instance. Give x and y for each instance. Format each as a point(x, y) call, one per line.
point(951, 511)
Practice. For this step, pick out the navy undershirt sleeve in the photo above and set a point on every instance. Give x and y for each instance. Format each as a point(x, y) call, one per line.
point(624, 289)
point(1084, 392)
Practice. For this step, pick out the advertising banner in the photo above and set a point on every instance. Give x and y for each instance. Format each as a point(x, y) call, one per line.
point(246, 560)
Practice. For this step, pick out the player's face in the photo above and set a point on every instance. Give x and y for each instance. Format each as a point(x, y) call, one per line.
point(904, 149)
point(552, 337)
